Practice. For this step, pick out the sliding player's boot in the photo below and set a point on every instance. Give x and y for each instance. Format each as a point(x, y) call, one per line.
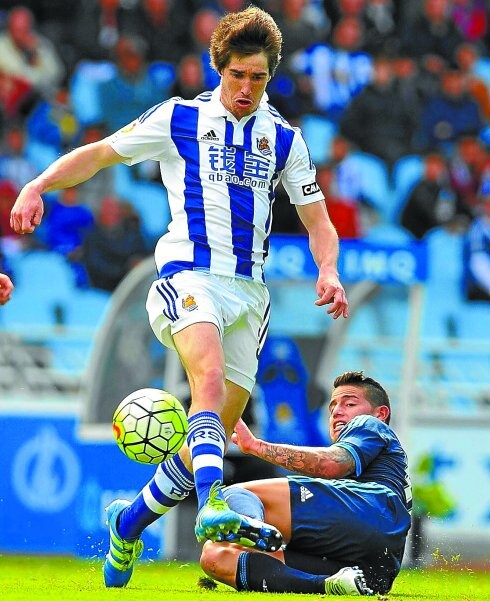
point(215, 519)
point(118, 565)
point(256, 534)
point(347, 581)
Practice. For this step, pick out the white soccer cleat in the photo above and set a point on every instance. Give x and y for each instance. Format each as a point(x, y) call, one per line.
point(347, 581)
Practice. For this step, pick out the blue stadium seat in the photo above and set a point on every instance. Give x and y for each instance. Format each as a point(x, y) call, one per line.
point(87, 308)
point(388, 233)
point(444, 300)
point(318, 132)
point(407, 171)
point(282, 402)
point(47, 273)
point(474, 321)
point(29, 310)
point(84, 89)
point(149, 200)
point(84, 314)
point(375, 180)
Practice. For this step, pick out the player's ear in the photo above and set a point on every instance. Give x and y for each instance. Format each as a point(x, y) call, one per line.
point(382, 412)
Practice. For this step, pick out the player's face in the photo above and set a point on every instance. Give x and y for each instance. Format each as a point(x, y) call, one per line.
point(346, 403)
point(243, 83)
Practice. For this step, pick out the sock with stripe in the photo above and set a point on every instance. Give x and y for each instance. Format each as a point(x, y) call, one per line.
point(171, 484)
point(262, 573)
point(206, 440)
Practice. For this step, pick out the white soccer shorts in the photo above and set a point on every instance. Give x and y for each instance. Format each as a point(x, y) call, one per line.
point(239, 308)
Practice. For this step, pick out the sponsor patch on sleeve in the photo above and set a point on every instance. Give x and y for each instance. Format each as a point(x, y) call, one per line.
point(309, 189)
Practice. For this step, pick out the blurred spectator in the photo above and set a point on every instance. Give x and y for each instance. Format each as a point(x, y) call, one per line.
point(413, 90)
point(377, 121)
point(28, 56)
point(114, 246)
point(227, 6)
point(15, 164)
point(98, 26)
point(478, 249)
point(55, 22)
point(380, 25)
point(450, 114)
point(344, 212)
point(433, 202)
point(203, 24)
point(466, 57)
point(348, 182)
point(337, 71)
point(53, 123)
point(66, 223)
point(471, 18)
point(469, 59)
point(133, 88)
point(16, 97)
point(11, 243)
point(164, 25)
point(431, 68)
point(190, 77)
point(466, 169)
point(297, 30)
point(433, 32)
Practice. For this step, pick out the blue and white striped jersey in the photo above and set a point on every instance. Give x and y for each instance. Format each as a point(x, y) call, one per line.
point(220, 175)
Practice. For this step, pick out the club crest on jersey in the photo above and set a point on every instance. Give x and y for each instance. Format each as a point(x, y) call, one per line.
point(309, 189)
point(263, 146)
point(189, 303)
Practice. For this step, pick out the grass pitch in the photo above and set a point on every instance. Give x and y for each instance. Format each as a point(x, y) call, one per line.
point(67, 579)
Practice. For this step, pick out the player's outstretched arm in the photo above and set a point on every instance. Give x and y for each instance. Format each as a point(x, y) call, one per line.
point(71, 169)
point(317, 462)
point(324, 245)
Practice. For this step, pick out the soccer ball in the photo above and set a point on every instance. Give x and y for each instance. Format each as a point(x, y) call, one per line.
point(150, 425)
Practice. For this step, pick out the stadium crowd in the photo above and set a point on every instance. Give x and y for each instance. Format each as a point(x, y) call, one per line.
point(401, 86)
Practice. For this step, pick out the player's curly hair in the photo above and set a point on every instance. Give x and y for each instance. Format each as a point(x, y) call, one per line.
point(375, 393)
point(247, 32)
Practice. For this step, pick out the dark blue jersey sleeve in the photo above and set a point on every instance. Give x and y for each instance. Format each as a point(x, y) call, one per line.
point(378, 454)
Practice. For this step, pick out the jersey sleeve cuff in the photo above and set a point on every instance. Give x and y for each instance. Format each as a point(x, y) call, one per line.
point(355, 455)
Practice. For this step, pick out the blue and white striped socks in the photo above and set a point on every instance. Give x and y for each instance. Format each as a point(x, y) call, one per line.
point(206, 440)
point(171, 484)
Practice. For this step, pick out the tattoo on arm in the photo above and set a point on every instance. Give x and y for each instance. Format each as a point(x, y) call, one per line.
point(317, 462)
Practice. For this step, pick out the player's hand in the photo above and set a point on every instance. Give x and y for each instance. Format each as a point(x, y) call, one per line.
point(27, 211)
point(243, 437)
point(6, 288)
point(331, 292)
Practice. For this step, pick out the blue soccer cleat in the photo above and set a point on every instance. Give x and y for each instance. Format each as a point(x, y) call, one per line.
point(215, 519)
point(347, 581)
point(256, 534)
point(118, 565)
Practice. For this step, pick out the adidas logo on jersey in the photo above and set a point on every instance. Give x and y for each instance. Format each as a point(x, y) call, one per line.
point(305, 494)
point(210, 136)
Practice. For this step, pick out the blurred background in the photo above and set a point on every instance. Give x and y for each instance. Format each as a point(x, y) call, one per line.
point(393, 99)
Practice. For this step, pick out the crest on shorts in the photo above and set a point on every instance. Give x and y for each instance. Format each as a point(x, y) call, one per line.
point(189, 303)
point(263, 146)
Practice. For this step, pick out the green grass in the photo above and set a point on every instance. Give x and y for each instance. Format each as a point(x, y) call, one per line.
point(64, 579)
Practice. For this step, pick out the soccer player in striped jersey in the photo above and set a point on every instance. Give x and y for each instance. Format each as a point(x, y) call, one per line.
point(344, 517)
point(221, 156)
